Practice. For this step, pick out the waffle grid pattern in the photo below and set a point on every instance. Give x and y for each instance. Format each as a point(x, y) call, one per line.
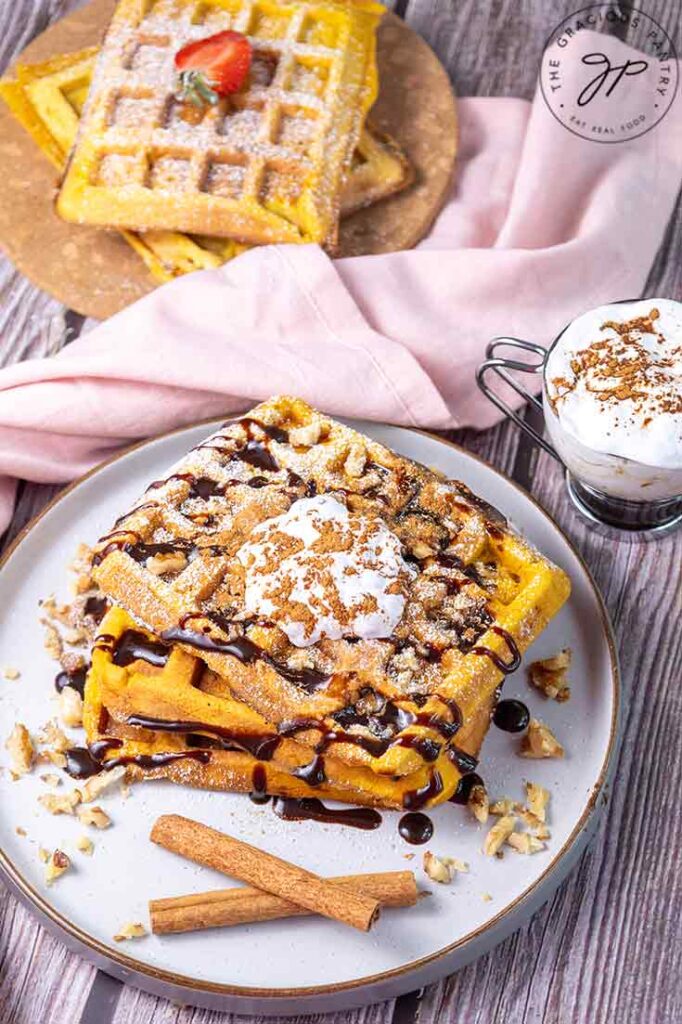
point(277, 152)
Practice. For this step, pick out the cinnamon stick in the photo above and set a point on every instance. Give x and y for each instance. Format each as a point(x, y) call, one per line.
point(264, 871)
point(227, 907)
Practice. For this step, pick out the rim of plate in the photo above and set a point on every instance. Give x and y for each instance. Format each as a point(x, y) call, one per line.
point(129, 963)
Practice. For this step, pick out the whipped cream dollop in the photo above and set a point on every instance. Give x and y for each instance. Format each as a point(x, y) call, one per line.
point(319, 571)
point(614, 381)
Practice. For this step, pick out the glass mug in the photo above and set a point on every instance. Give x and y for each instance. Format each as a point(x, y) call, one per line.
point(608, 489)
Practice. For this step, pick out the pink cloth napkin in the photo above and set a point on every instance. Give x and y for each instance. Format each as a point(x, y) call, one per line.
point(540, 226)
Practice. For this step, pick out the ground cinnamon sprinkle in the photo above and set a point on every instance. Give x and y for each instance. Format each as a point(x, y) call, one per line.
point(622, 369)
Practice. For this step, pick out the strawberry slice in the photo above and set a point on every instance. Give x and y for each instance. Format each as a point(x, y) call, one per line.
point(213, 67)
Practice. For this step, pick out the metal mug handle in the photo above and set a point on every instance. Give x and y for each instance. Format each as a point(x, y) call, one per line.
point(500, 366)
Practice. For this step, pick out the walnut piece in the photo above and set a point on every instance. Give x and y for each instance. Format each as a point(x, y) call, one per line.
point(20, 748)
point(442, 869)
point(172, 561)
point(50, 779)
point(71, 707)
point(56, 865)
point(306, 436)
point(525, 842)
point(537, 799)
point(539, 741)
point(55, 738)
point(9, 672)
point(98, 783)
point(85, 845)
point(549, 675)
point(355, 461)
point(498, 835)
point(94, 816)
point(504, 806)
point(60, 804)
point(132, 930)
point(478, 803)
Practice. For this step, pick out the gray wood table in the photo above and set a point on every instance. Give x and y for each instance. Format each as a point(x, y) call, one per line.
point(608, 946)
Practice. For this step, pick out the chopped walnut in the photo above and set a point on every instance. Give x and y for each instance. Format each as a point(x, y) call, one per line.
point(549, 675)
point(71, 707)
point(94, 816)
point(173, 561)
point(486, 897)
point(43, 854)
point(537, 798)
point(20, 748)
point(53, 642)
point(422, 550)
point(85, 845)
point(306, 436)
point(50, 779)
point(355, 461)
point(442, 869)
point(21, 831)
point(539, 741)
point(60, 804)
point(524, 842)
point(498, 835)
point(56, 865)
point(479, 804)
point(54, 737)
point(132, 930)
point(9, 672)
point(504, 806)
point(98, 783)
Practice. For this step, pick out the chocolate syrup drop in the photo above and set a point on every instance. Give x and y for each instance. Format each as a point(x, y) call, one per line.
point(259, 793)
point(415, 828)
point(312, 809)
point(511, 715)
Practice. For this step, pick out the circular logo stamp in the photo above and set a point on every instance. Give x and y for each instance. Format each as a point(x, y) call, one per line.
point(609, 72)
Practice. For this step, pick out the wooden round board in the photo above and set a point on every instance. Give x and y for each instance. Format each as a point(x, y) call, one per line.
point(96, 273)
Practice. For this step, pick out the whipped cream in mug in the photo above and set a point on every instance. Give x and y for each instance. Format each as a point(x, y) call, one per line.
point(613, 391)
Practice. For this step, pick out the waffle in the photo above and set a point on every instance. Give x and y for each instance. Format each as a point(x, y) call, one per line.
point(264, 165)
point(47, 99)
point(163, 713)
point(474, 595)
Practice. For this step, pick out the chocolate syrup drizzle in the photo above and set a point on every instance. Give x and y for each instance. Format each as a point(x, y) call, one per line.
point(504, 666)
point(312, 809)
point(84, 762)
point(247, 652)
point(76, 679)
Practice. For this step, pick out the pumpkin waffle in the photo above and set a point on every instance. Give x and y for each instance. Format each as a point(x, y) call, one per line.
point(161, 711)
point(264, 165)
point(206, 560)
point(48, 98)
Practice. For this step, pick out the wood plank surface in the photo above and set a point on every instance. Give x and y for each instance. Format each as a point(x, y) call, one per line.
point(608, 946)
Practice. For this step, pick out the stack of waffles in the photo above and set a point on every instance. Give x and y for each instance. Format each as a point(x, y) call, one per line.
point(295, 609)
point(280, 160)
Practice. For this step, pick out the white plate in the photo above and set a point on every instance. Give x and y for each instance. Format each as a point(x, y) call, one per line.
point(306, 965)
